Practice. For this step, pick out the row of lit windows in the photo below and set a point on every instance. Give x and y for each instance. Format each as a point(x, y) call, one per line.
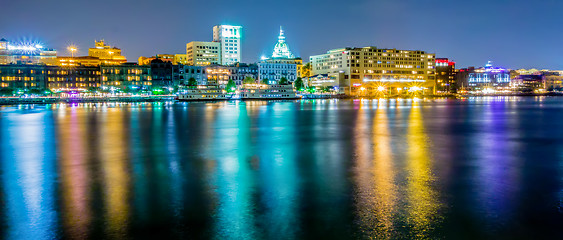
point(12, 78)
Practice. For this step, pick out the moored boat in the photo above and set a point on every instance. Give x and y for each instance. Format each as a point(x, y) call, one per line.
point(265, 91)
point(204, 93)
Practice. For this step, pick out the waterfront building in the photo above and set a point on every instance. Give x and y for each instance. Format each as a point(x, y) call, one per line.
point(22, 76)
point(127, 75)
point(56, 78)
point(220, 75)
point(484, 78)
point(203, 53)
point(73, 77)
point(78, 77)
point(369, 70)
point(445, 75)
point(324, 81)
point(164, 73)
point(108, 55)
point(527, 83)
point(274, 72)
point(282, 64)
point(550, 80)
point(243, 71)
point(553, 81)
point(26, 53)
point(199, 73)
point(229, 38)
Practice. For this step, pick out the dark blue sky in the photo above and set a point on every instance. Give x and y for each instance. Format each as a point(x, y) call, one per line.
point(512, 33)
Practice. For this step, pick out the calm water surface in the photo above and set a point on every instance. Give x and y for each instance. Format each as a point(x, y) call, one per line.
point(323, 169)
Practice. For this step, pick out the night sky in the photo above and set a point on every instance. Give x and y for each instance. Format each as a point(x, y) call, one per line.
point(511, 33)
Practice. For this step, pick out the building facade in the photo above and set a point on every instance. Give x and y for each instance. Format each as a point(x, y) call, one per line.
point(282, 64)
point(78, 61)
point(26, 53)
point(323, 81)
point(220, 75)
point(108, 55)
point(180, 59)
point(369, 69)
point(203, 53)
point(273, 72)
point(199, 73)
point(124, 76)
point(484, 78)
point(229, 38)
point(445, 75)
point(527, 83)
point(73, 78)
point(553, 81)
point(23, 76)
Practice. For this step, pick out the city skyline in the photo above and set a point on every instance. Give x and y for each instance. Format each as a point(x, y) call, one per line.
point(454, 30)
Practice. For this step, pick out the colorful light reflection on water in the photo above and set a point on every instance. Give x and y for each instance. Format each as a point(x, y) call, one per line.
point(474, 168)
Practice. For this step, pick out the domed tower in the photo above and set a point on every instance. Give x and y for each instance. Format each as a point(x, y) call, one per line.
point(281, 50)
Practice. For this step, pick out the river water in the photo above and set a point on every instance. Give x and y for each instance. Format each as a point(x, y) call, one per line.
point(476, 168)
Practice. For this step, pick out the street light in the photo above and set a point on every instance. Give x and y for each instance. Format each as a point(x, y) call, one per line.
point(72, 49)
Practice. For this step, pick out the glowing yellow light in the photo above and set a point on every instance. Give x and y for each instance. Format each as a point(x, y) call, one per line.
point(362, 88)
point(380, 88)
point(72, 49)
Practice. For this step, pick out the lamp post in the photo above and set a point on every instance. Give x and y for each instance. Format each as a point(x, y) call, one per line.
point(72, 49)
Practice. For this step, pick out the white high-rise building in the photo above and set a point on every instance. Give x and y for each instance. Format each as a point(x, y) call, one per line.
point(229, 37)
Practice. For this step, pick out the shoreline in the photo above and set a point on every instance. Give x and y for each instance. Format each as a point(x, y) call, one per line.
point(53, 100)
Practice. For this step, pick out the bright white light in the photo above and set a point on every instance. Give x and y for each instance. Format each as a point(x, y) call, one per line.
point(380, 88)
point(412, 89)
point(38, 46)
point(488, 90)
point(21, 47)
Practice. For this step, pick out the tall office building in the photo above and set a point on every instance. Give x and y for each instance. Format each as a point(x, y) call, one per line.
point(229, 38)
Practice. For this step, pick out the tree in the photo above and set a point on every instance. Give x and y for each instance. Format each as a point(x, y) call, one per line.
point(231, 86)
point(92, 89)
point(306, 70)
point(283, 81)
point(7, 91)
point(265, 81)
point(192, 83)
point(249, 80)
point(311, 89)
point(36, 91)
point(298, 84)
point(157, 91)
